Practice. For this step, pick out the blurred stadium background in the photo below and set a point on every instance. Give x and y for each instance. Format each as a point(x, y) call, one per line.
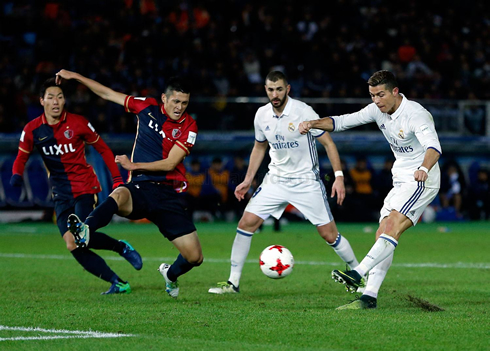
point(440, 54)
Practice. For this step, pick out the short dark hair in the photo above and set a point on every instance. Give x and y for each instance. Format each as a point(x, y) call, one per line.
point(178, 84)
point(383, 77)
point(51, 82)
point(274, 76)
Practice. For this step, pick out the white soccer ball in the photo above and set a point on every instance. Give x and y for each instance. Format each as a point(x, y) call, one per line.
point(276, 261)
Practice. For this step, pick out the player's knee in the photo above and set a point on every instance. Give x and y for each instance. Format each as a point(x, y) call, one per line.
point(199, 261)
point(71, 247)
point(121, 195)
point(328, 232)
point(250, 223)
point(70, 242)
point(196, 260)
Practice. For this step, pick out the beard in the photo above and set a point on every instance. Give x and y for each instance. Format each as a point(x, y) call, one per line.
point(281, 102)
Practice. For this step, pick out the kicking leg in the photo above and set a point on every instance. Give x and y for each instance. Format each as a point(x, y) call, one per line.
point(96, 265)
point(396, 224)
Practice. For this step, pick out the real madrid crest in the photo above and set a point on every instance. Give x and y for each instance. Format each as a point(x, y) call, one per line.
point(401, 135)
point(291, 127)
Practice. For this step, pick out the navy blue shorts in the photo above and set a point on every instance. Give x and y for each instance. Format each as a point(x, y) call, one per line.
point(160, 204)
point(81, 206)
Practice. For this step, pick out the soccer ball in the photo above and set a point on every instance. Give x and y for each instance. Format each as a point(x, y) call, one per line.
point(276, 262)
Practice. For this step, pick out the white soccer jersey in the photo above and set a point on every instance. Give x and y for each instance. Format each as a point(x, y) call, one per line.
point(292, 154)
point(410, 131)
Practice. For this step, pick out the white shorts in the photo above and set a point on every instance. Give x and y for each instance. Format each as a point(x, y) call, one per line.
point(409, 199)
point(308, 196)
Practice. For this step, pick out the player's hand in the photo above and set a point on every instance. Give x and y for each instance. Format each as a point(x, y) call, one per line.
point(116, 181)
point(16, 180)
point(241, 190)
point(304, 127)
point(338, 189)
point(420, 176)
point(64, 74)
point(124, 161)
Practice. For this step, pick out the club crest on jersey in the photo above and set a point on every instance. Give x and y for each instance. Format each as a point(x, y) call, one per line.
point(291, 127)
point(176, 133)
point(401, 135)
point(68, 134)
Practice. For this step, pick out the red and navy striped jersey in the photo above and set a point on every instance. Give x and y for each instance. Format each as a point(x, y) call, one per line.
point(156, 136)
point(62, 147)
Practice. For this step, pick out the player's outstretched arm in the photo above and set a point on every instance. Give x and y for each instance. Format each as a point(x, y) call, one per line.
point(175, 156)
point(430, 159)
point(108, 157)
point(338, 187)
point(325, 123)
point(104, 92)
point(256, 157)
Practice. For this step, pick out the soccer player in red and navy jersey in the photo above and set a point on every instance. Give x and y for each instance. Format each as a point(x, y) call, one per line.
point(60, 137)
point(165, 136)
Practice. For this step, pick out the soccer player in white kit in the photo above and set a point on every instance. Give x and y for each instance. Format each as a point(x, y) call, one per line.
point(293, 177)
point(409, 129)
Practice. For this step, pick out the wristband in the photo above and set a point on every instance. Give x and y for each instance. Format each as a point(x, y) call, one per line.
point(422, 168)
point(339, 174)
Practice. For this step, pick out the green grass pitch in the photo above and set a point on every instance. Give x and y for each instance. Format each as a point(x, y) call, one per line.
point(443, 265)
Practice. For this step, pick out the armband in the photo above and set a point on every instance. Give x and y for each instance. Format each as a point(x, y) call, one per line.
point(339, 174)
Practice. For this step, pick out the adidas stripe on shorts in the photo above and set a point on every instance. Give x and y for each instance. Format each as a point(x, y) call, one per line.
point(409, 199)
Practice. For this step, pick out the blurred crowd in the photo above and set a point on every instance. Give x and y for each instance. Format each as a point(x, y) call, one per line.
point(463, 195)
point(436, 50)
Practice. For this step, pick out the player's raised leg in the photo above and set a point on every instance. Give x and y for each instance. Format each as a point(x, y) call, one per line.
point(396, 223)
point(85, 233)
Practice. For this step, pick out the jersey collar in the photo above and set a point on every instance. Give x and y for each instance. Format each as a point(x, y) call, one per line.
point(286, 112)
point(400, 108)
point(180, 120)
point(45, 120)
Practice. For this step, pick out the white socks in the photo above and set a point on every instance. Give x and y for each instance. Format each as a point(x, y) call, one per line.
point(377, 275)
point(342, 248)
point(382, 248)
point(239, 253)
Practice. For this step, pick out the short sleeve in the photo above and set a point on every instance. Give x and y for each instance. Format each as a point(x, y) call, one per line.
point(137, 104)
point(422, 124)
point(26, 142)
point(187, 140)
point(309, 115)
point(86, 130)
point(259, 133)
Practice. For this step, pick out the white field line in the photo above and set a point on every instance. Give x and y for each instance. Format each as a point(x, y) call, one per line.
point(72, 334)
point(466, 265)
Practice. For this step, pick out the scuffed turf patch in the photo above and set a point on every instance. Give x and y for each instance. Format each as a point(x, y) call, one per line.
point(424, 304)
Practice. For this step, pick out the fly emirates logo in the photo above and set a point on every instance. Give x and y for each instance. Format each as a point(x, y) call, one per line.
point(58, 149)
point(400, 149)
point(281, 143)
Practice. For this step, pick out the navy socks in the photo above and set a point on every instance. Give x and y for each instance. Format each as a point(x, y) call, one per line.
point(179, 267)
point(101, 241)
point(102, 215)
point(94, 264)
